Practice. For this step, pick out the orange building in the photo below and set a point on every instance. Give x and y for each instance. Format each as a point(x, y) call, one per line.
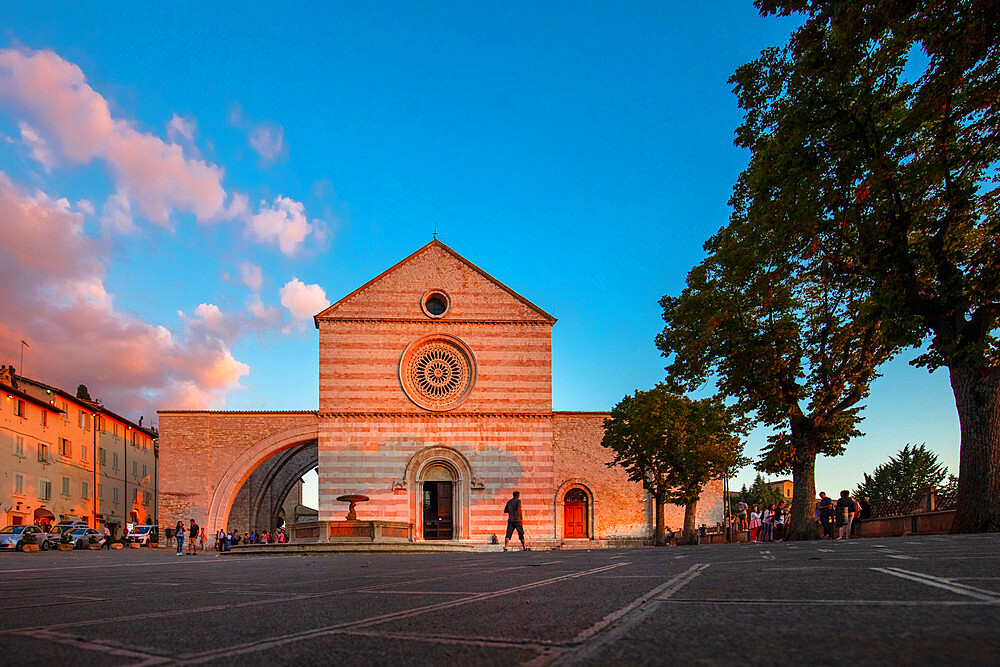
point(56, 463)
point(435, 401)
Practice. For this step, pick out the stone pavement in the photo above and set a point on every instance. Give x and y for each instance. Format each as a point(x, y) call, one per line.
point(929, 599)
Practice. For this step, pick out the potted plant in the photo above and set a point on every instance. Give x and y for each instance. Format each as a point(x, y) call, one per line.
point(29, 542)
point(94, 544)
point(65, 541)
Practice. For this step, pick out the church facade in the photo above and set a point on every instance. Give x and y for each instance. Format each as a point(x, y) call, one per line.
point(435, 401)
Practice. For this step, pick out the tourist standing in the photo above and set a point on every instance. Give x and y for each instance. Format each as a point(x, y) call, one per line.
point(179, 536)
point(515, 520)
point(754, 524)
point(826, 514)
point(193, 539)
point(845, 513)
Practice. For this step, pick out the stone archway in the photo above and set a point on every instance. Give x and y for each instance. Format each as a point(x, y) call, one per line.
point(560, 507)
point(262, 495)
point(244, 465)
point(426, 463)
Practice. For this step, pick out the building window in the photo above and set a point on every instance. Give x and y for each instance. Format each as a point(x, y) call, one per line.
point(84, 490)
point(65, 409)
point(19, 408)
point(19, 484)
point(146, 497)
point(65, 447)
point(114, 460)
point(114, 494)
point(45, 417)
point(144, 470)
point(116, 429)
point(83, 453)
point(65, 486)
point(19, 446)
point(100, 491)
point(135, 495)
point(135, 468)
point(44, 489)
point(102, 456)
point(43, 452)
point(84, 422)
point(133, 437)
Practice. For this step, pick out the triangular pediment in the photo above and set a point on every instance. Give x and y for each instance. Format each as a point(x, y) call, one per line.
point(396, 294)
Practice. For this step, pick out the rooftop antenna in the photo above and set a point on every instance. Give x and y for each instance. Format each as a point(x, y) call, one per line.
point(24, 344)
point(435, 231)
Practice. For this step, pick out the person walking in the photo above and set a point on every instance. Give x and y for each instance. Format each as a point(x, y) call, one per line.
point(107, 539)
point(179, 536)
point(515, 520)
point(193, 539)
point(845, 513)
point(201, 539)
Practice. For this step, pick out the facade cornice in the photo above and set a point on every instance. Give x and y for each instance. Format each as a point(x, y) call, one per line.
point(425, 321)
point(237, 412)
point(435, 415)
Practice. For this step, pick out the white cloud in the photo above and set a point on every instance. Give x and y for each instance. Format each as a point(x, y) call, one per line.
point(283, 223)
point(303, 301)
point(181, 129)
point(116, 214)
point(252, 276)
point(40, 150)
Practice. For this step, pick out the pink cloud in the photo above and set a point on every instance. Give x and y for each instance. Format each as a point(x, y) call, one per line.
point(70, 121)
point(252, 276)
point(55, 297)
point(268, 140)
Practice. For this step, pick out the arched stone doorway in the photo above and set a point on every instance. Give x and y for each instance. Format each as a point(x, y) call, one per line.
point(440, 479)
point(575, 510)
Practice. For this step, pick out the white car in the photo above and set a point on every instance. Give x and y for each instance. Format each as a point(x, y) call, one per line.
point(80, 537)
point(141, 534)
point(12, 537)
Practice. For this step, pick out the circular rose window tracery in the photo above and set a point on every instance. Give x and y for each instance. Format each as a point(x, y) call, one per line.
point(437, 373)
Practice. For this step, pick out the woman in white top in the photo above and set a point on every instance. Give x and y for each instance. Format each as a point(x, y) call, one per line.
point(754, 524)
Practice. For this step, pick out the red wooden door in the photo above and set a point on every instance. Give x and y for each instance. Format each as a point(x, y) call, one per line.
point(575, 519)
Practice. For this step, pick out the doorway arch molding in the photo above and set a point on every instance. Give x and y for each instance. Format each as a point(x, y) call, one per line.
point(244, 464)
point(453, 460)
point(560, 504)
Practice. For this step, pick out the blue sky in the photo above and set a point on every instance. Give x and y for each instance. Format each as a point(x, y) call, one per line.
point(579, 153)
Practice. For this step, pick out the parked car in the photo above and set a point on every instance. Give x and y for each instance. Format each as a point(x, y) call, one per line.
point(11, 537)
point(80, 537)
point(142, 534)
point(57, 530)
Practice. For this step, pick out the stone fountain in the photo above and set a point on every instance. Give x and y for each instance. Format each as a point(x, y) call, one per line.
point(354, 531)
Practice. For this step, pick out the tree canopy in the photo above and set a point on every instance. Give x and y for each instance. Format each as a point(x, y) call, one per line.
point(673, 446)
point(760, 494)
point(898, 485)
point(886, 117)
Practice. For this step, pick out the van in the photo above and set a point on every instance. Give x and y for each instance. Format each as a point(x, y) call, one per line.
point(142, 534)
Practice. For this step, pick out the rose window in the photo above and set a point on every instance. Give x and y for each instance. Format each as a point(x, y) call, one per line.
point(437, 374)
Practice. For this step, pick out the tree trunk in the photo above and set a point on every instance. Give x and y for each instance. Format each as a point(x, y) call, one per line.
point(690, 516)
point(977, 397)
point(660, 532)
point(802, 515)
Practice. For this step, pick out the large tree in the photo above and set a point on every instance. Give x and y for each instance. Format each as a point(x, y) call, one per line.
point(673, 446)
point(760, 494)
point(891, 111)
point(769, 319)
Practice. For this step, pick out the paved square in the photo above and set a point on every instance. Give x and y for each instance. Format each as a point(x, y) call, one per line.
point(912, 599)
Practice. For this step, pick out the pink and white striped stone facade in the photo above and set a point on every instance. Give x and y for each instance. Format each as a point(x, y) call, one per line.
point(502, 436)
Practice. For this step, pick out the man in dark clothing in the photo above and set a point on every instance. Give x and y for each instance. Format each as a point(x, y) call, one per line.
point(826, 514)
point(193, 539)
point(515, 520)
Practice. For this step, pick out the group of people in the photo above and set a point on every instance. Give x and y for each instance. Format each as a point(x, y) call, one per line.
point(229, 538)
point(194, 535)
point(769, 524)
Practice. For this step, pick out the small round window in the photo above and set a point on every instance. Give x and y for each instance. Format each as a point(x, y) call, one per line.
point(435, 303)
